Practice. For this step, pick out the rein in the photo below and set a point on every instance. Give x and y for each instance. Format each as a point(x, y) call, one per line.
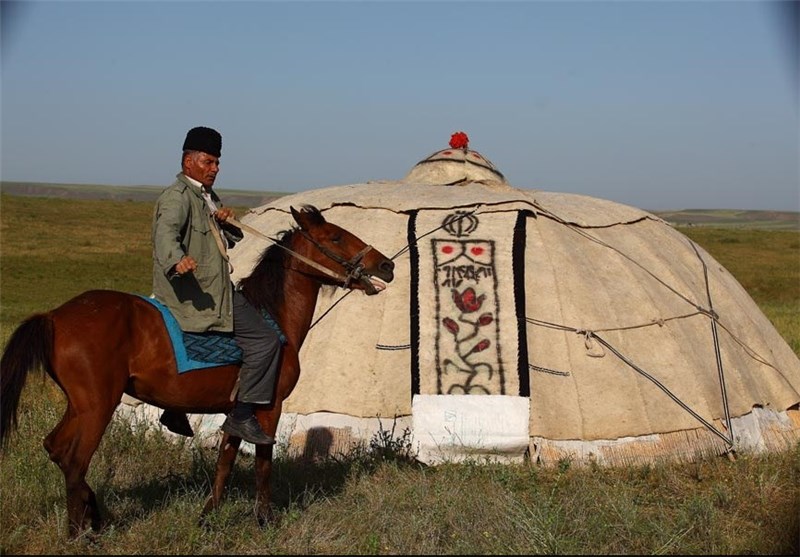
point(354, 266)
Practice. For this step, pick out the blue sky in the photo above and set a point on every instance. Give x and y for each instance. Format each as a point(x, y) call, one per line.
point(655, 104)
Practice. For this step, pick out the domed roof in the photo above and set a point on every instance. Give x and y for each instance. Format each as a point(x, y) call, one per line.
point(457, 165)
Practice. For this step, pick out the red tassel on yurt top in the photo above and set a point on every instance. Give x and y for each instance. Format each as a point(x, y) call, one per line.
point(459, 140)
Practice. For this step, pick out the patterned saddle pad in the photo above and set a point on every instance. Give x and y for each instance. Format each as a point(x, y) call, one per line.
point(202, 350)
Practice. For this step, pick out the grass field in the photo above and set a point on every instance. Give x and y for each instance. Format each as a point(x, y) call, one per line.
point(378, 500)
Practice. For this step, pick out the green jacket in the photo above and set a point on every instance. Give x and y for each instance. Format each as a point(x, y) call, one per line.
point(200, 301)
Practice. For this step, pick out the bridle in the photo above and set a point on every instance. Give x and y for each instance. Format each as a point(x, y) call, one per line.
point(354, 266)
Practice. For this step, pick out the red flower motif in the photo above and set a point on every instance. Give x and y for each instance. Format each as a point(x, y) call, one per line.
point(459, 140)
point(481, 346)
point(451, 325)
point(485, 319)
point(466, 301)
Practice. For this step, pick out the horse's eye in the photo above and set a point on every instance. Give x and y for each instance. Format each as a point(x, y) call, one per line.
point(336, 239)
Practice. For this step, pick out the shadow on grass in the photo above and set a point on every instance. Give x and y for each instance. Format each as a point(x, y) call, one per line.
point(178, 474)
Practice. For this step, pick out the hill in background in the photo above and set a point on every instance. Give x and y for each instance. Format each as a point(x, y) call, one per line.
point(769, 220)
point(233, 198)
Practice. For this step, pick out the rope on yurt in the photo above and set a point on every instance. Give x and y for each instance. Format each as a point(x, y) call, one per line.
point(749, 351)
point(591, 238)
point(714, 333)
point(709, 312)
point(728, 440)
point(639, 370)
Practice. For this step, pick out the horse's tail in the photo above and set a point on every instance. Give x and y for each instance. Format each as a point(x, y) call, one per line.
point(28, 348)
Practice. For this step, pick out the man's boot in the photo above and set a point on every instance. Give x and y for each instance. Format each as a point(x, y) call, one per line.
point(176, 422)
point(248, 430)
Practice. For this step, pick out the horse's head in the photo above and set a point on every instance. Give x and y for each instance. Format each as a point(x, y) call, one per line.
point(355, 264)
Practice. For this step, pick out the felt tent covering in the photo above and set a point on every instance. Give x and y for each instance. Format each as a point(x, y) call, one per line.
point(529, 324)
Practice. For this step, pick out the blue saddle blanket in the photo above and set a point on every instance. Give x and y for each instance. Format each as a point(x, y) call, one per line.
point(202, 350)
point(198, 350)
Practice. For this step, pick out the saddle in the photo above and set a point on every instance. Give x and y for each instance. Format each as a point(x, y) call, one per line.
point(203, 350)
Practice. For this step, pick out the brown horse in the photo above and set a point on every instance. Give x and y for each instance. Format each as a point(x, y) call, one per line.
point(104, 343)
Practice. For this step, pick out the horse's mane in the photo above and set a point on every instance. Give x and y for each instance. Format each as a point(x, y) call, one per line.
point(264, 286)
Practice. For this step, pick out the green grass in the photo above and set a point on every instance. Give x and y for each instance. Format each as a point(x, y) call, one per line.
point(377, 500)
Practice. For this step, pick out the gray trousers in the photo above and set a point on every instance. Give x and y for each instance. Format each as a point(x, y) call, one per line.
point(261, 352)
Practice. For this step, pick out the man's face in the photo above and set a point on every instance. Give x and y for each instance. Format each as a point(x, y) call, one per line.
point(202, 167)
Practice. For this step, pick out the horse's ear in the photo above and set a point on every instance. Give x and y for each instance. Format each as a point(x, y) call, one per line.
point(301, 218)
point(307, 217)
point(296, 216)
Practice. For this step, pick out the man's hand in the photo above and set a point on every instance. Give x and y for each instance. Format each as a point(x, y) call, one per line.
point(187, 264)
point(223, 214)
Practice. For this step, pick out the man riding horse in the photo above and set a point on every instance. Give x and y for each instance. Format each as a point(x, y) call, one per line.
point(191, 276)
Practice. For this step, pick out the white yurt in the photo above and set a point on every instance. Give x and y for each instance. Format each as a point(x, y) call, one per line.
point(525, 325)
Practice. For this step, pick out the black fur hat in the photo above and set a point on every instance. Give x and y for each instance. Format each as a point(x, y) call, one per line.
point(203, 139)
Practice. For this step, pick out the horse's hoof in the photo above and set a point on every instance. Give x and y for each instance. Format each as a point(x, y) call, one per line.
point(93, 537)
